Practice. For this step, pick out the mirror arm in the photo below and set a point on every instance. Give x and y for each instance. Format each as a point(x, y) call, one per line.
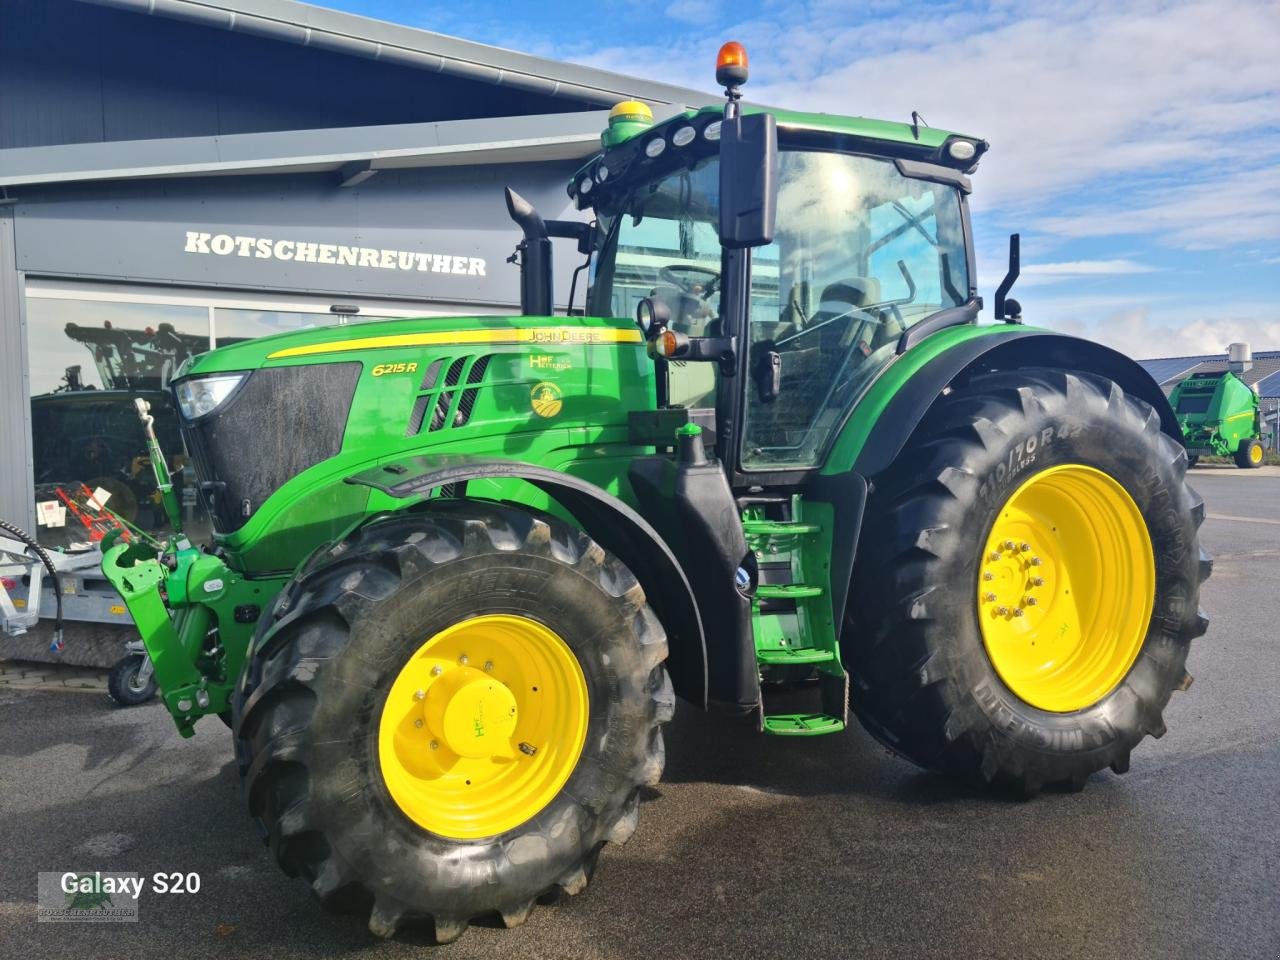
point(1015, 268)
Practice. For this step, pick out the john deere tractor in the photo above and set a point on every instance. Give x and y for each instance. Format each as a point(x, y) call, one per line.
point(462, 568)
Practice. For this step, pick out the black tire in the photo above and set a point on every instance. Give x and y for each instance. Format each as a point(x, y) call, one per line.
point(308, 705)
point(123, 685)
point(922, 682)
point(1245, 455)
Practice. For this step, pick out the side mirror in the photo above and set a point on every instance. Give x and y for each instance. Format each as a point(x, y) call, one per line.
point(748, 180)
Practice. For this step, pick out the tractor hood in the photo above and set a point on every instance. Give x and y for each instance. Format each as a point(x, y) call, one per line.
point(374, 339)
point(268, 421)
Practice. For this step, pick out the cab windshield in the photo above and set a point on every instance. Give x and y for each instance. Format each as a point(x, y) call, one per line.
point(860, 254)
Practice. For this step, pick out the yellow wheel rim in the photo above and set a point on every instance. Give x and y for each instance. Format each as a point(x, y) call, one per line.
point(1255, 453)
point(1066, 585)
point(483, 726)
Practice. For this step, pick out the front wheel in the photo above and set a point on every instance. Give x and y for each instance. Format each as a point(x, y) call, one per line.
point(1027, 591)
point(449, 713)
point(131, 681)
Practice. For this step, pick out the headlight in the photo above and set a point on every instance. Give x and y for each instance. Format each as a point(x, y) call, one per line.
point(203, 395)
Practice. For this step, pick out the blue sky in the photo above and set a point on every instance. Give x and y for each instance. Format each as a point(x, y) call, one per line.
point(1136, 146)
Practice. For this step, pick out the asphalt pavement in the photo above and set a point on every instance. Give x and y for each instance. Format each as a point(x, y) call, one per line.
point(751, 846)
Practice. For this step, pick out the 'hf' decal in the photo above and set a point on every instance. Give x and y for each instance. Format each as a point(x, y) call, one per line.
point(546, 399)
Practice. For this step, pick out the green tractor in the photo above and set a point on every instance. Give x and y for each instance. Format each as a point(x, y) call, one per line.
point(1219, 415)
point(463, 567)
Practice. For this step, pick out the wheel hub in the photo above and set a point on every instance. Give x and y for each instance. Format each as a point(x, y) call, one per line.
point(471, 713)
point(1014, 582)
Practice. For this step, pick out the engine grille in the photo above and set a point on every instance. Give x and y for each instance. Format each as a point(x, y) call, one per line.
point(279, 422)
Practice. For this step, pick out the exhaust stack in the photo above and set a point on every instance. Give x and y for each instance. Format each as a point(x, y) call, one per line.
point(534, 253)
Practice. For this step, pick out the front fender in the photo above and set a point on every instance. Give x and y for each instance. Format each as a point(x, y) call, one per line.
point(609, 521)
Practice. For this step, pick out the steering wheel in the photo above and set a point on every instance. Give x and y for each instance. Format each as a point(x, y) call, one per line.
point(685, 277)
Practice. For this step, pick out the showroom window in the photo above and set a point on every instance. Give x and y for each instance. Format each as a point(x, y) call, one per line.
point(92, 349)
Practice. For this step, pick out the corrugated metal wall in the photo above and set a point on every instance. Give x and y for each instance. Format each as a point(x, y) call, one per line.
point(76, 73)
point(15, 421)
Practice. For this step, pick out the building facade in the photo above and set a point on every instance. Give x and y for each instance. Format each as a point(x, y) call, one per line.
point(176, 176)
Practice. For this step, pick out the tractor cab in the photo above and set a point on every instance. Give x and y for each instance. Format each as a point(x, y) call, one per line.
point(847, 237)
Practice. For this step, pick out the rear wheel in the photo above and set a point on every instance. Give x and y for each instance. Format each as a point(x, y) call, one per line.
point(1027, 589)
point(449, 713)
point(1249, 454)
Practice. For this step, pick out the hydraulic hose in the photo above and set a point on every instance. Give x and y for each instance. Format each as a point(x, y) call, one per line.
point(46, 560)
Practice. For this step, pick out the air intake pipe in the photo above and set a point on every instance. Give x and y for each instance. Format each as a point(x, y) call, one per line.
point(534, 257)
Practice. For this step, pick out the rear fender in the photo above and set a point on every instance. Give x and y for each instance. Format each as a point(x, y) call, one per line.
point(605, 518)
point(1023, 348)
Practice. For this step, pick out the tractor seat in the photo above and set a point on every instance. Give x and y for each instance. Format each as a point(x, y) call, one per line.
point(855, 291)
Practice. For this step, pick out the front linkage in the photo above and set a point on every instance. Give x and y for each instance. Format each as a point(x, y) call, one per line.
point(195, 614)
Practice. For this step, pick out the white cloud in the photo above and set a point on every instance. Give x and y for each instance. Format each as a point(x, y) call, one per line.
point(1075, 96)
point(693, 11)
point(1131, 327)
point(1239, 206)
point(1041, 273)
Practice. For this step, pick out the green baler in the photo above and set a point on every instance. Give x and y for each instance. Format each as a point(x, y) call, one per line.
point(1219, 415)
point(462, 567)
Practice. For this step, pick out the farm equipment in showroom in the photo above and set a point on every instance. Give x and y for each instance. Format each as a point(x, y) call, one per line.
point(462, 567)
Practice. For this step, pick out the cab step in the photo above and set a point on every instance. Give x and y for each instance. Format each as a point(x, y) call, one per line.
point(786, 655)
point(777, 528)
point(802, 724)
point(788, 591)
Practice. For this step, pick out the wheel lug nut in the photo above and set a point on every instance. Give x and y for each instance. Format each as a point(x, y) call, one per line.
point(1037, 581)
point(435, 745)
point(1035, 561)
point(988, 575)
point(463, 660)
point(437, 670)
point(528, 749)
point(994, 555)
point(418, 722)
point(1018, 612)
point(1024, 547)
point(1002, 610)
point(488, 665)
point(1032, 601)
point(990, 597)
point(420, 695)
point(1008, 544)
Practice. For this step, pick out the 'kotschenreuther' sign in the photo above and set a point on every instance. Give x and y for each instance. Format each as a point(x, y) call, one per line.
point(336, 254)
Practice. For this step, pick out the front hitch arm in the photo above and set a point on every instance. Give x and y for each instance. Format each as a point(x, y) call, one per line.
point(172, 642)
